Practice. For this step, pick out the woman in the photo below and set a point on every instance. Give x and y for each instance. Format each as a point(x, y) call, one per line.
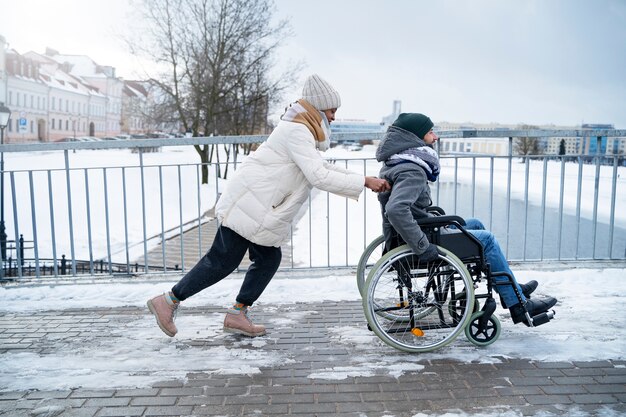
point(260, 202)
point(409, 163)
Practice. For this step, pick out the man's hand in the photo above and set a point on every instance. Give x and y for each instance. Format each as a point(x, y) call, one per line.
point(376, 184)
point(430, 254)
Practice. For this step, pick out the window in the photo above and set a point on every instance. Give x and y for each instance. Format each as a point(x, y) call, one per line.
point(32, 127)
point(67, 125)
point(54, 103)
point(52, 128)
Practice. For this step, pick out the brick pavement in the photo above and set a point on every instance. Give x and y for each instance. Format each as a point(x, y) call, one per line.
point(321, 367)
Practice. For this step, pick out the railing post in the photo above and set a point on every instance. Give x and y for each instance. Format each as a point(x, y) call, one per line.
point(63, 265)
point(22, 249)
point(508, 196)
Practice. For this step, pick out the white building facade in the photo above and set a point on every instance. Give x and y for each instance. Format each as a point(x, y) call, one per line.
point(54, 97)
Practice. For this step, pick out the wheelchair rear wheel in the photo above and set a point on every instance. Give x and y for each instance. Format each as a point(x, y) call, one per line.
point(370, 256)
point(414, 306)
point(372, 253)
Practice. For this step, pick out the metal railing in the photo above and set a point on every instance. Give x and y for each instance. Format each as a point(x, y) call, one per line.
point(153, 214)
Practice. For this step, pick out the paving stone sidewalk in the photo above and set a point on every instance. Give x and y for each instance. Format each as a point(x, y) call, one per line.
point(318, 372)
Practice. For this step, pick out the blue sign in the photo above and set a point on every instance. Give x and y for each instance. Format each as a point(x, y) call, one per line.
point(23, 123)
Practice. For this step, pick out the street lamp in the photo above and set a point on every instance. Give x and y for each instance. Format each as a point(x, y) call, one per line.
point(5, 116)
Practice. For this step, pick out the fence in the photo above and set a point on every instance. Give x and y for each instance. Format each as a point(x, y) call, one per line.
point(107, 208)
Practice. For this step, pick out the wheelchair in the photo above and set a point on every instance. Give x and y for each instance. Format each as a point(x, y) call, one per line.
point(417, 306)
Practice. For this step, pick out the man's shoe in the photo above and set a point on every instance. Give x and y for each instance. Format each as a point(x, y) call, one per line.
point(237, 321)
point(534, 307)
point(529, 288)
point(164, 310)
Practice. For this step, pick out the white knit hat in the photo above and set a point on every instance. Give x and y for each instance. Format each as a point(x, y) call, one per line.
point(320, 94)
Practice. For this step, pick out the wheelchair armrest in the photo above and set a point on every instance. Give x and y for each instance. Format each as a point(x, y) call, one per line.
point(436, 210)
point(440, 221)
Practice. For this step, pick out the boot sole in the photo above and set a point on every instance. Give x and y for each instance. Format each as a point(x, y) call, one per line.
point(153, 311)
point(243, 332)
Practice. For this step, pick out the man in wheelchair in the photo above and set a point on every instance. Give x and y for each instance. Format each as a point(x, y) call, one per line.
point(409, 163)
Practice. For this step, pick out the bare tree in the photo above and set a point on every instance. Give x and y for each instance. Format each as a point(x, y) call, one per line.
point(527, 145)
point(215, 59)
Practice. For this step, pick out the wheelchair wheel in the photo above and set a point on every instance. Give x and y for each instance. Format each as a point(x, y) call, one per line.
point(457, 304)
point(373, 252)
point(486, 336)
point(406, 301)
point(370, 256)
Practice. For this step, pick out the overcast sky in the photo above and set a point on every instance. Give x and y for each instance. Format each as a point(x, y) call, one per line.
point(506, 61)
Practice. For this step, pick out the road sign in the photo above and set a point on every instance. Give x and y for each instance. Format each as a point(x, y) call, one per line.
point(23, 125)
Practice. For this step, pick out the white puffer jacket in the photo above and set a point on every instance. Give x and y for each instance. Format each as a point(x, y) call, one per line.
point(267, 190)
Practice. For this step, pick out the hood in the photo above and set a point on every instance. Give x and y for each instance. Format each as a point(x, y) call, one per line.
point(396, 140)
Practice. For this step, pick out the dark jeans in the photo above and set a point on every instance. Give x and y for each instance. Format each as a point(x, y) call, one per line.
point(224, 257)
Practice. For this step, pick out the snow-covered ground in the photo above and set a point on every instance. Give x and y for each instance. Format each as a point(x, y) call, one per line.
point(589, 325)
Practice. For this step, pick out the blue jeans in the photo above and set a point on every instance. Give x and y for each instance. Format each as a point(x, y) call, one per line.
point(223, 257)
point(497, 260)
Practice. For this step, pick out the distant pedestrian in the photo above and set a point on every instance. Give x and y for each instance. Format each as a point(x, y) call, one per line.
point(409, 163)
point(260, 202)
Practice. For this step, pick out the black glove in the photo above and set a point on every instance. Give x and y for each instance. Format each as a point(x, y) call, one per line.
point(430, 254)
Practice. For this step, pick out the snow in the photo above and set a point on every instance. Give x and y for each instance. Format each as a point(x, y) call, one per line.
point(589, 325)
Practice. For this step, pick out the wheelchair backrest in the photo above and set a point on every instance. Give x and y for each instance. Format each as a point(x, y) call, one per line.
point(458, 241)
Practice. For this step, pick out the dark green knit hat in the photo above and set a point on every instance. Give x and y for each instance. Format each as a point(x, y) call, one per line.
point(415, 123)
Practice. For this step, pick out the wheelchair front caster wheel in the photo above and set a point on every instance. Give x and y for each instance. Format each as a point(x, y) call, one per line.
point(483, 336)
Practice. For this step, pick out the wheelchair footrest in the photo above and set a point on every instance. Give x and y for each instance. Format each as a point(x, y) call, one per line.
point(543, 318)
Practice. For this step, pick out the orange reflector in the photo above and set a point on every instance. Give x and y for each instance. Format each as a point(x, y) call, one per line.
point(402, 304)
point(417, 332)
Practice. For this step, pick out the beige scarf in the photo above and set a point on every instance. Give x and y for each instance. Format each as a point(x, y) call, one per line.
point(303, 112)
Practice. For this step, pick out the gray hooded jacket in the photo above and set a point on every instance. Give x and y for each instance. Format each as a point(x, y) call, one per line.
point(409, 194)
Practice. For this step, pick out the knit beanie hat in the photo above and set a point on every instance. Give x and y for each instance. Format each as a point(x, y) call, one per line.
point(320, 94)
point(415, 123)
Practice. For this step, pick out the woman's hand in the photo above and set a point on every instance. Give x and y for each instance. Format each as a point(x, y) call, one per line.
point(376, 184)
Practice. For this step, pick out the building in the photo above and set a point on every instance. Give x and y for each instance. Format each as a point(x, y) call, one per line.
point(134, 103)
point(48, 102)
point(396, 110)
point(3, 72)
point(54, 96)
point(101, 77)
point(588, 145)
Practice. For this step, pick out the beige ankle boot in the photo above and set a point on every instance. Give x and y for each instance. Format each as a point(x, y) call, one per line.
point(164, 310)
point(237, 321)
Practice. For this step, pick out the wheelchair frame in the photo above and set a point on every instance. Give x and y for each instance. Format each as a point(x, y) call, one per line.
point(419, 307)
